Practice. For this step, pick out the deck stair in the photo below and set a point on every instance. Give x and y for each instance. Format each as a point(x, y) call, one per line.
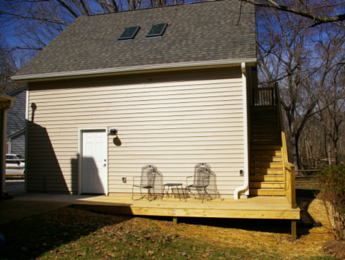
point(265, 169)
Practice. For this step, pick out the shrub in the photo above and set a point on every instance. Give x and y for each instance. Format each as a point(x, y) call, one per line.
point(331, 181)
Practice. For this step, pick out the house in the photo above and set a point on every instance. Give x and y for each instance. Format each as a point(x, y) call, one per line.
point(6, 102)
point(177, 85)
point(16, 123)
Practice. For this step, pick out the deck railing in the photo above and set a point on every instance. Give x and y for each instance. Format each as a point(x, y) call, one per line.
point(264, 96)
point(288, 168)
point(289, 174)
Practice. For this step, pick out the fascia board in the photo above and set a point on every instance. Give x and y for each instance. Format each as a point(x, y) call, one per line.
point(133, 69)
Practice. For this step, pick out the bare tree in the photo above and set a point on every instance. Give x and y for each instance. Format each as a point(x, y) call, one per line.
point(301, 59)
point(331, 108)
point(8, 68)
point(325, 11)
point(34, 23)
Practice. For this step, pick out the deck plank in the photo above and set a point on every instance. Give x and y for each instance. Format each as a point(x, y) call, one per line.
point(251, 208)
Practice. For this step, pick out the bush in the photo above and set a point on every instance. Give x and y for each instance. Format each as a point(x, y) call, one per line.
point(331, 181)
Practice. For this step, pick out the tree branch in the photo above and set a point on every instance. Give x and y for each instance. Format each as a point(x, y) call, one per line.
point(310, 15)
point(68, 8)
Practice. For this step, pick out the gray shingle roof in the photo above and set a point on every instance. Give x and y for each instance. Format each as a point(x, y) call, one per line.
point(206, 31)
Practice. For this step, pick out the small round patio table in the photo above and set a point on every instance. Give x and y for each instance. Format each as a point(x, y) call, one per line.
point(170, 185)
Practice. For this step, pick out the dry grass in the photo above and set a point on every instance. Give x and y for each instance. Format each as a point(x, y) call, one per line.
point(310, 242)
point(70, 233)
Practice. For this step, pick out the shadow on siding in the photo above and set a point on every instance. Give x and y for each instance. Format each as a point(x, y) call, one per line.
point(75, 174)
point(44, 173)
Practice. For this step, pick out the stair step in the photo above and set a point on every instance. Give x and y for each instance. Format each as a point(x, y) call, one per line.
point(265, 159)
point(265, 142)
point(265, 147)
point(265, 132)
point(270, 165)
point(262, 126)
point(257, 108)
point(265, 129)
point(256, 130)
point(266, 152)
point(275, 171)
point(263, 116)
point(267, 185)
point(259, 139)
point(267, 192)
point(266, 167)
point(264, 122)
point(267, 178)
point(265, 137)
point(269, 110)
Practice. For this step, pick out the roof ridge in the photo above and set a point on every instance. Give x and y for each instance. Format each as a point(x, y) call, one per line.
point(159, 7)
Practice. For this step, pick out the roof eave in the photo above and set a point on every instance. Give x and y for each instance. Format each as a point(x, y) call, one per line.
point(133, 69)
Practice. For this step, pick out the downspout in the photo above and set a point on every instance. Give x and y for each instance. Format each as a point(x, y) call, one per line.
point(8, 105)
point(26, 136)
point(245, 135)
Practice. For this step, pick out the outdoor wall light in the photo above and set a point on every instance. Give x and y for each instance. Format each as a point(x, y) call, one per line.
point(113, 131)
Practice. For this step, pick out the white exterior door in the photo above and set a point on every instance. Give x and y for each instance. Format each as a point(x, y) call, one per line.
point(94, 162)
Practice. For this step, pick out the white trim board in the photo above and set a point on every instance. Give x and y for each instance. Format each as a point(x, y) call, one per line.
point(133, 69)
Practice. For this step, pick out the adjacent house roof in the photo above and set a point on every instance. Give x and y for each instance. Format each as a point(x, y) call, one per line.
point(197, 34)
point(6, 102)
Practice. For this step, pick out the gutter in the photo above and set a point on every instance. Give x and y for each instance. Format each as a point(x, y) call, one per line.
point(245, 186)
point(133, 69)
point(16, 133)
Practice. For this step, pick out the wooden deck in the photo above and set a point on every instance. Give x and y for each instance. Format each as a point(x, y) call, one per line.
point(251, 208)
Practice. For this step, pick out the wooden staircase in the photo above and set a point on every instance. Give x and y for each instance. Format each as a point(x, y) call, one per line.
point(265, 166)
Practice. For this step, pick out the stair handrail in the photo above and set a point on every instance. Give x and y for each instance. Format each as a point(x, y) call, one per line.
point(289, 174)
point(288, 168)
point(280, 115)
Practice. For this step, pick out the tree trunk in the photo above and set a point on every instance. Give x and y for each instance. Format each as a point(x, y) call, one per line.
point(335, 151)
point(295, 150)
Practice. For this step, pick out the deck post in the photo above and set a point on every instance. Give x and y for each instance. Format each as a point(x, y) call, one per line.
point(293, 230)
point(175, 220)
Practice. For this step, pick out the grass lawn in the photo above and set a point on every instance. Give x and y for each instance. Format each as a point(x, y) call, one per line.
point(72, 233)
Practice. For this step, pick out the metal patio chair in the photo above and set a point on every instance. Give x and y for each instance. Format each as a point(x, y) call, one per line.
point(202, 172)
point(147, 181)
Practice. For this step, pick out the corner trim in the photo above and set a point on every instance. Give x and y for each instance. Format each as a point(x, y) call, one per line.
point(245, 185)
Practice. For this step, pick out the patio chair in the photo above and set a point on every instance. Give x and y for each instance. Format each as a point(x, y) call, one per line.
point(202, 172)
point(147, 181)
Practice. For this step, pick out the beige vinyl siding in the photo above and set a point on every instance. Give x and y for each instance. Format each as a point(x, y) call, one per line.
point(171, 120)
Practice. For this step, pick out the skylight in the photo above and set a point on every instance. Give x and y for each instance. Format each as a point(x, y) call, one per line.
point(157, 30)
point(129, 33)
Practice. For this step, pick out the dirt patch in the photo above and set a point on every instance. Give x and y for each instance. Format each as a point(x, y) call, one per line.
point(310, 242)
point(267, 236)
point(335, 248)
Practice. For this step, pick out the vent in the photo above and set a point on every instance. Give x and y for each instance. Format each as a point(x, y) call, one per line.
point(129, 33)
point(157, 30)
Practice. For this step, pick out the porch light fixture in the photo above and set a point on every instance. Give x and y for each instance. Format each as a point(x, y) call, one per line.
point(113, 131)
